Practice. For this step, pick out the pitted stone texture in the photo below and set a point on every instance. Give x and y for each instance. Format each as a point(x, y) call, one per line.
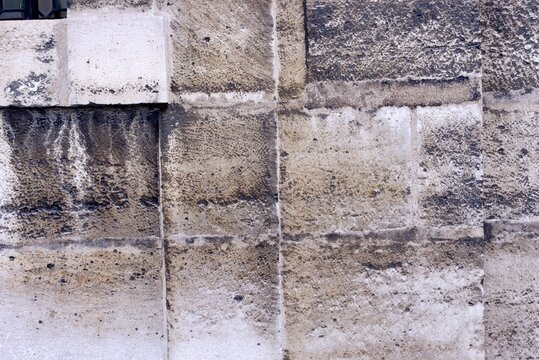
point(385, 296)
point(511, 293)
point(33, 63)
point(219, 171)
point(511, 154)
point(375, 94)
point(81, 303)
point(450, 165)
point(345, 169)
point(291, 48)
point(117, 59)
point(223, 299)
point(77, 7)
point(79, 174)
point(392, 39)
point(220, 46)
point(510, 44)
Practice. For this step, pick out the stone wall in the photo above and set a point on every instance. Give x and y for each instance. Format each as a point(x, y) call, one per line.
point(271, 179)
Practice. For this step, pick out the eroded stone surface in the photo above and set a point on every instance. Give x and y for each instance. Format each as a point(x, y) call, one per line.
point(220, 46)
point(79, 174)
point(511, 292)
point(76, 7)
point(102, 302)
point(510, 44)
point(345, 169)
point(450, 167)
point(511, 155)
point(219, 171)
point(223, 299)
point(33, 65)
point(117, 59)
point(368, 39)
point(390, 295)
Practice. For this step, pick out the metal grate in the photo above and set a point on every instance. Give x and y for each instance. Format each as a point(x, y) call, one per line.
point(32, 9)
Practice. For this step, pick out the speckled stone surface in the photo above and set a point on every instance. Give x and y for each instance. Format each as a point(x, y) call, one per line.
point(387, 295)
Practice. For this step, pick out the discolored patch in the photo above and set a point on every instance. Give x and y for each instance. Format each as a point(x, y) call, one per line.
point(219, 171)
point(222, 297)
point(76, 174)
point(391, 296)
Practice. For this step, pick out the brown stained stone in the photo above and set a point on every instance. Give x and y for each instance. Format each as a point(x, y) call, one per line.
point(390, 295)
point(510, 44)
point(291, 48)
point(511, 155)
point(103, 302)
point(511, 291)
point(220, 46)
point(345, 170)
point(79, 174)
point(219, 171)
point(222, 296)
point(450, 166)
point(389, 39)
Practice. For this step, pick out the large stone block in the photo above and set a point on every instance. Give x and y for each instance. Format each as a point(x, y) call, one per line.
point(77, 174)
point(510, 44)
point(388, 39)
point(511, 291)
point(220, 46)
point(117, 59)
point(450, 166)
point(511, 157)
point(33, 63)
point(345, 169)
point(223, 299)
point(391, 295)
point(102, 302)
point(219, 171)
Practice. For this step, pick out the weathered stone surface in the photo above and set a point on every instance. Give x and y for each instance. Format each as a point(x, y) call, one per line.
point(511, 291)
point(450, 166)
point(510, 44)
point(511, 157)
point(77, 7)
point(33, 63)
point(390, 295)
point(290, 28)
point(117, 59)
point(345, 169)
point(102, 302)
point(368, 39)
point(79, 174)
point(223, 299)
point(375, 94)
point(219, 171)
point(220, 46)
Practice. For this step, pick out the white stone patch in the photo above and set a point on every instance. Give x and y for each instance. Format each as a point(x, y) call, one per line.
point(117, 59)
point(8, 180)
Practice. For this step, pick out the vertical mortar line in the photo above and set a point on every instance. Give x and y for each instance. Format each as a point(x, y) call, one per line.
point(276, 74)
point(163, 242)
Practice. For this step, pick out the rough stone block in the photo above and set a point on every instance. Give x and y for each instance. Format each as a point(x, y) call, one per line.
point(345, 169)
point(77, 174)
point(291, 48)
point(370, 39)
point(220, 46)
point(117, 59)
point(389, 295)
point(81, 7)
point(450, 165)
point(102, 302)
point(33, 65)
point(223, 299)
point(511, 291)
point(219, 171)
point(510, 44)
point(511, 158)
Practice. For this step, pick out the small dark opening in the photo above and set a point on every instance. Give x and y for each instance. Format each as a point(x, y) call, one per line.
point(32, 9)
